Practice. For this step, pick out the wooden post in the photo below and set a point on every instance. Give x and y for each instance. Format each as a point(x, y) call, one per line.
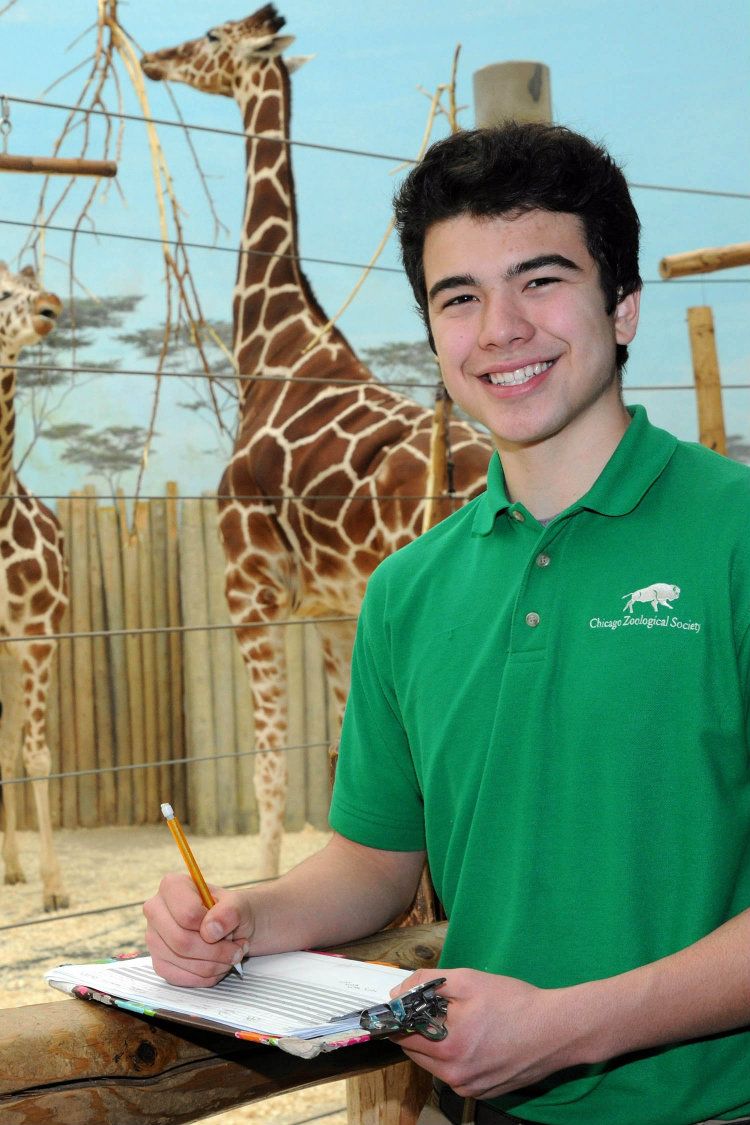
point(103, 718)
point(177, 725)
point(199, 719)
point(705, 261)
point(512, 90)
point(707, 378)
point(437, 474)
point(158, 559)
point(109, 545)
point(88, 784)
point(132, 607)
point(147, 642)
point(68, 757)
point(57, 165)
point(220, 643)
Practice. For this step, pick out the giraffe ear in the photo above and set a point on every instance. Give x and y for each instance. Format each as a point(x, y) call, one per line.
point(269, 48)
point(294, 62)
point(29, 271)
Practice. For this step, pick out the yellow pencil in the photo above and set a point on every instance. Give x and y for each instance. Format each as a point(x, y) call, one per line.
point(196, 874)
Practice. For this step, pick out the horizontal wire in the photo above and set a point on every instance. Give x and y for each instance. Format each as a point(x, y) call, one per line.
point(250, 497)
point(157, 630)
point(289, 142)
point(196, 245)
point(302, 380)
point(58, 917)
point(302, 259)
point(219, 131)
point(229, 377)
point(189, 760)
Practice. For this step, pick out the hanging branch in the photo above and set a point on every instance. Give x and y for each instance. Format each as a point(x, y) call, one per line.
point(183, 308)
point(435, 109)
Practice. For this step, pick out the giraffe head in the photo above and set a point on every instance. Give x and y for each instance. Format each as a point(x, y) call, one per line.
point(222, 58)
point(27, 313)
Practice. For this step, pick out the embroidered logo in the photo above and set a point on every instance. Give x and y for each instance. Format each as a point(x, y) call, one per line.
point(658, 594)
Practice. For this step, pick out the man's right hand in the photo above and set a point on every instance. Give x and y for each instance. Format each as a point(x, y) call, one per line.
point(193, 946)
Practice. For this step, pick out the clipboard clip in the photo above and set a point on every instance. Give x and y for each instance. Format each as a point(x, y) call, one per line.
point(422, 1009)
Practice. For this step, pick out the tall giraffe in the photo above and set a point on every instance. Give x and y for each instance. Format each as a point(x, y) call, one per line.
point(353, 450)
point(32, 592)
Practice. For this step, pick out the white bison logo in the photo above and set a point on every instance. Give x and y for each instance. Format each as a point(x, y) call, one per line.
point(658, 594)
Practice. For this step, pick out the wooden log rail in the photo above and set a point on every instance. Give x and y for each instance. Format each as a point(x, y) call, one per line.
point(79, 1062)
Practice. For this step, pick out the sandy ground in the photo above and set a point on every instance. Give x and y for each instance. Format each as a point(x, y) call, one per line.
point(105, 867)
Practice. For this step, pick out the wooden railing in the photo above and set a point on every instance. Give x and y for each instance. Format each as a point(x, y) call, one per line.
point(81, 1063)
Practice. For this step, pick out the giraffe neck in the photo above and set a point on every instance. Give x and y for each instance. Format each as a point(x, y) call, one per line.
point(7, 422)
point(275, 312)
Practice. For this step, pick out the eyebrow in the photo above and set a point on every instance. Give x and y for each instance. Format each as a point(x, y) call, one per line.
point(467, 280)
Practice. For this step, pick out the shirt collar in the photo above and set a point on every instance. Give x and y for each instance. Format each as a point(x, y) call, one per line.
point(640, 457)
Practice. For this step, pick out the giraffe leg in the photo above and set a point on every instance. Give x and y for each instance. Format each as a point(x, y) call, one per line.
point(11, 726)
point(337, 638)
point(36, 660)
point(265, 660)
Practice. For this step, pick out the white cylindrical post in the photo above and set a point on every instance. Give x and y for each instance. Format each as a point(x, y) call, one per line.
point(512, 90)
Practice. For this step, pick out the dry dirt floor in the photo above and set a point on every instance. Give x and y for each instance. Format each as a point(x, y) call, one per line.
point(120, 867)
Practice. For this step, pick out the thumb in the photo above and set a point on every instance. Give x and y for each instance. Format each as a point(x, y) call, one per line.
point(421, 976)
point(224, 919)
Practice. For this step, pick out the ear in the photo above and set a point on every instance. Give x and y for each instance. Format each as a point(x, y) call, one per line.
point(29, 271)
point(626, 317)
point(294, 62)
point(271, 47)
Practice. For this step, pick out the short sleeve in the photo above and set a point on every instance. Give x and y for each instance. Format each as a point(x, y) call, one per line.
point(376, 798)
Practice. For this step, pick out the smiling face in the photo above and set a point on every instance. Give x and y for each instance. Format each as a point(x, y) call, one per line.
point(524, 341)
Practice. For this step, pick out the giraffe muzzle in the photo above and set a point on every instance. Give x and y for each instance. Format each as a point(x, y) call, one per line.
point(47, 308)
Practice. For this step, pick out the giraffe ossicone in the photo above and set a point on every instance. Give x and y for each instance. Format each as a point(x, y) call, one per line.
point(32, 594)
point(328, 464)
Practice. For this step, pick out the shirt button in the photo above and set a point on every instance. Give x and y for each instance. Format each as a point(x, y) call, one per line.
point(517, 515)
point(543, 560)
point(532, 620)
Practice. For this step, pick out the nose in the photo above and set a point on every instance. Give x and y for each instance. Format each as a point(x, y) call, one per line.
point(503, 321)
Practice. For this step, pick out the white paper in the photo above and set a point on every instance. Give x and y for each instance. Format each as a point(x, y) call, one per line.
point(286, 994)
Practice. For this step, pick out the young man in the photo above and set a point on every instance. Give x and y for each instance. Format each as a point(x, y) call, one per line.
point(550, 691)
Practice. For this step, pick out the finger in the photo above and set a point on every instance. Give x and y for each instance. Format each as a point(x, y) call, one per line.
point(229, 918)
point(192, 972)
point(421, 976)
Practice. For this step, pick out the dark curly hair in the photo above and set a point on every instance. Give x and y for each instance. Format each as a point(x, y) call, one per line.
point(518, 167)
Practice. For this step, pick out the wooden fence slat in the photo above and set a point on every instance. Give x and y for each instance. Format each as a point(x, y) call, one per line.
point(317, 771)
point(707, 378)
point(68, 760)
point(88, 784)
point(132, 615)
point(244, 734)
point(178, 781)
point(53, 738)
point(199, 719)
point(103, 724)
point(158, 525)
point(109, 547)
point(220, 642)
point(296, 735)
point(148, 660)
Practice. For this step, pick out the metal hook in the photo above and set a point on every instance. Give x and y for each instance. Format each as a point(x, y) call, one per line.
point(5, 122)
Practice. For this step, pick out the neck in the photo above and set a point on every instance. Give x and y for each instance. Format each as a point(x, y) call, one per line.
point(275, 313)
point(7, 421)
point(550, 475)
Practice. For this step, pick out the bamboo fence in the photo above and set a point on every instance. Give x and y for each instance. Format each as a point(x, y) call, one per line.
point(156, 697)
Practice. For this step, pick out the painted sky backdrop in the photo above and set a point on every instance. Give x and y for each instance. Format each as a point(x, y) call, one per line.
point(665, 86)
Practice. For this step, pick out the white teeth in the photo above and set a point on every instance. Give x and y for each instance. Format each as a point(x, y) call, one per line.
point(520, 375)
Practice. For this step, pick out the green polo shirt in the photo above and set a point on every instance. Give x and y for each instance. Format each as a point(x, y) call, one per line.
point(561, 716)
